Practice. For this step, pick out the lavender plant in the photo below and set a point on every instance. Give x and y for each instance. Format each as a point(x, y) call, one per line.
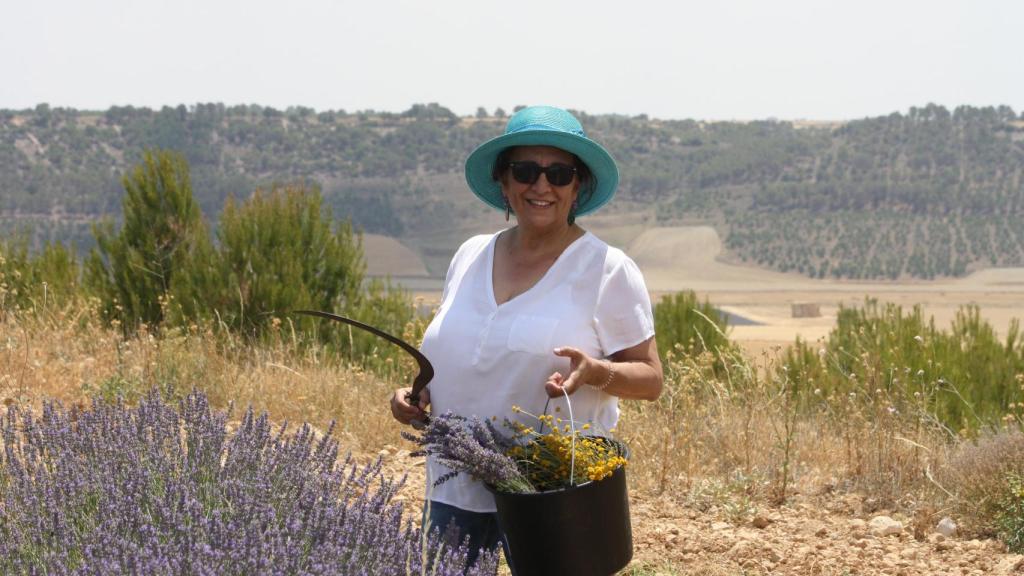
point(155, 490)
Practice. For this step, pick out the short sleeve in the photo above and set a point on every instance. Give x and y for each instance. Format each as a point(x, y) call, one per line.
point(623, 316)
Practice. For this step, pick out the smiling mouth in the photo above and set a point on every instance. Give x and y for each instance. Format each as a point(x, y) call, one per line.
point(539, 203)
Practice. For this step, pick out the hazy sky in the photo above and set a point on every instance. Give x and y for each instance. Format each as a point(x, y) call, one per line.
point(816, 59)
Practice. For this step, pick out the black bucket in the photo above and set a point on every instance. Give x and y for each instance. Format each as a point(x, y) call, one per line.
point(581, 530)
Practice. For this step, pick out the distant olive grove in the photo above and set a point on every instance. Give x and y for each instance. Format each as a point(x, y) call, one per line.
point(925, 194)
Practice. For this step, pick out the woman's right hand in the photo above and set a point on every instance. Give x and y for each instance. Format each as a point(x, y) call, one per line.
point(406, 413)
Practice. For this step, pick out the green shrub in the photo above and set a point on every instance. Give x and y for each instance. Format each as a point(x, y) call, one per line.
point(686, 325)
point(965, 377)
point(132, 271)
point(1011, 514)
point(389, 308)
point(35, 281)
point(277, 251)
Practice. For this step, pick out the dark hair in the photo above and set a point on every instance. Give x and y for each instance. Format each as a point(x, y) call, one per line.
point(587, 181)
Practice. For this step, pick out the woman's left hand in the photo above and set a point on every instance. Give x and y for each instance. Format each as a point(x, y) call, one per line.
point(582, 369)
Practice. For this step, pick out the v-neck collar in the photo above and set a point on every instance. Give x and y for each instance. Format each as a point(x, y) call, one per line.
point(489, 269)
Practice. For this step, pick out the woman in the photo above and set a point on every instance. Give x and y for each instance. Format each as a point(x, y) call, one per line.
point(538, 310)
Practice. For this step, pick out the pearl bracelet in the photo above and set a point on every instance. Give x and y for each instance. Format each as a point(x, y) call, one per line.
point(611, 374)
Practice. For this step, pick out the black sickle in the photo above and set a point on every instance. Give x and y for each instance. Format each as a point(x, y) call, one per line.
point(426, 373)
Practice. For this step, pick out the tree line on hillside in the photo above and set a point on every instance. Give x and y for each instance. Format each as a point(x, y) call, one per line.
point(929, 193)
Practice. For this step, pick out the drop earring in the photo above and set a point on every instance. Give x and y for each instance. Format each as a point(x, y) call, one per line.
point(508, 209)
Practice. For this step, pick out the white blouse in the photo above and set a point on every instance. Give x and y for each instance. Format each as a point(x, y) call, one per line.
point(488, 357)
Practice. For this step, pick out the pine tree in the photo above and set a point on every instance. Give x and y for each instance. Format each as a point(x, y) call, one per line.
point(133, 269)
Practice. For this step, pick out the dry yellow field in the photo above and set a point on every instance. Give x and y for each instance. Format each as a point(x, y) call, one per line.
point(688, 258)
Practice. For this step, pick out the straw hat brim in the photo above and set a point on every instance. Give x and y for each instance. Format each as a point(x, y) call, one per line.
point(480, 163)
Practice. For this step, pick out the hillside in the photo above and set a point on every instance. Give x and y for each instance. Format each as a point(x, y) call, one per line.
point(930, 193)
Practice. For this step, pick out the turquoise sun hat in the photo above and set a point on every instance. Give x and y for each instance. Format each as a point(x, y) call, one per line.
point(544, 126)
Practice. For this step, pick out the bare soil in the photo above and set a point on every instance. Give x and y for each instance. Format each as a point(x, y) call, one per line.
point(811, 534)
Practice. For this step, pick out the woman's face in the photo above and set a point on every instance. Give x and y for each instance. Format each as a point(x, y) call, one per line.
point(540, 205)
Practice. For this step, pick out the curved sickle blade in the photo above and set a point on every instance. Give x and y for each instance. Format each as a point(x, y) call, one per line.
point(426, 373)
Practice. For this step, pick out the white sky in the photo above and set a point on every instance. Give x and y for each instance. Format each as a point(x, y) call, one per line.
point(724, 59)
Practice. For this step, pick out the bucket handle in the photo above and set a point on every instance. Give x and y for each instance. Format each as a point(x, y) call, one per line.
point(572, 424)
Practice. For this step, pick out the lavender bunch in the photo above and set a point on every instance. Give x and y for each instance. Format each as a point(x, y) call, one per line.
point(159, 490)
point(471, 446)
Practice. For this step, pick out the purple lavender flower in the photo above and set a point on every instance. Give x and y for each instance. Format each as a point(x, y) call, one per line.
point(470, 446)
point(159, 490)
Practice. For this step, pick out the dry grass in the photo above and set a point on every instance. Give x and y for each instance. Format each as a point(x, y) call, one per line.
point(731, 441)
point(740, 438)
point(67, 354)
point(977, 473)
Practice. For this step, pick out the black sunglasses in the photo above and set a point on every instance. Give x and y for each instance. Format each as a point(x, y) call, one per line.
point(558, 174)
